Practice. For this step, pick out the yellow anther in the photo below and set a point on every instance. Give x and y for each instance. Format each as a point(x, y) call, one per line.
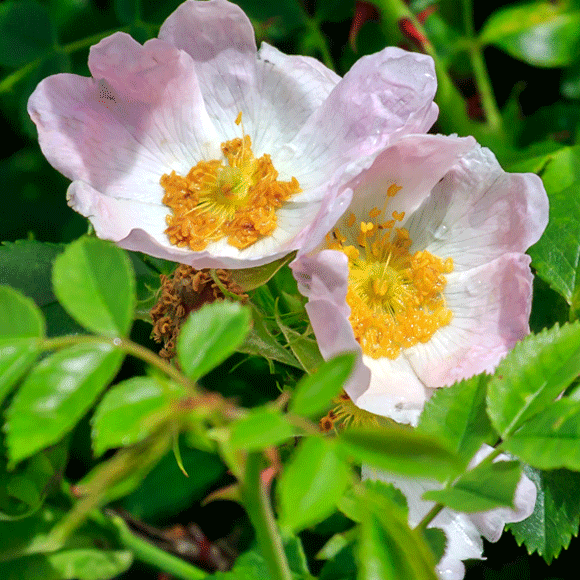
point(398, 216)
point(375, 212)
point(366, 227)
point(351, 220)
point(239, 118)
point(393, 189)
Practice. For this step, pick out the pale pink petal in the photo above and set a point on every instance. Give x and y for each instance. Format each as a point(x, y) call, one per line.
point(491, 307)
point(479, 212)
point(382, 97)
point(141, 117)
point(220, 39)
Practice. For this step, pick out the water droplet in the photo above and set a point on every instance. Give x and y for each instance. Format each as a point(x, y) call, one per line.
point(441, 232)
point(474, 287)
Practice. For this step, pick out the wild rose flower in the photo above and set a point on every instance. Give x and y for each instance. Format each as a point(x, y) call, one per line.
point(425, 275)
point(197, 148)
point(463, 531)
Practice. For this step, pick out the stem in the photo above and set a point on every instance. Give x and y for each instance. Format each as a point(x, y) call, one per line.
point(433, 513)
point(150, 554)
point(259, 510)
point(126, 346)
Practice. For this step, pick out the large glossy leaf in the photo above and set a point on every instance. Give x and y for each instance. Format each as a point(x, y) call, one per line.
point(210, 335)
point(457, 415)
point(94, 281)
point(532, 375)
point(556, 514)
point(56, 394)
point(485, 487)
point(311, 484)
point(551, 439)
point(131, 410)
point(539, 33)
point(315, 392)
point(401, 450)
point(21, 328)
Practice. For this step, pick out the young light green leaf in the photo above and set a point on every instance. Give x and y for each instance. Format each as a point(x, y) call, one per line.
point(551, 439)
point(250, 278)
point(311, 484)
point(539, 33)
point(94, 281)
point(21, 327)
point(90, 563)
point(401, 450)
point(130, 411)
point(457, 415)
point(210, 335)
point(314, 392)
point(56, 394)
point(22, 44)
point(532, 375)
point(259, 429)
point(485, 487)
point(556, 514)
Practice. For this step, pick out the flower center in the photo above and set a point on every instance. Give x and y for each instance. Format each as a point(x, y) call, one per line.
point(396, 298)
point(235, 198)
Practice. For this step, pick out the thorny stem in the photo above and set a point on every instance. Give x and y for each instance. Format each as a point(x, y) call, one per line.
point(259, 509)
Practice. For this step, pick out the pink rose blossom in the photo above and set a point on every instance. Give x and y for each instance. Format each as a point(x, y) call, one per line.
point(473, 222)
point(173, 103)
point(463, 531)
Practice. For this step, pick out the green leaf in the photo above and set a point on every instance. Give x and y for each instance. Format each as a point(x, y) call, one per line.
point(127, 11)
point(556, 255)
point(539, 33)
point(457, 415)
point(251, 278)
point(261, 428)
point(485, 487)
point(56, 394)
point(401, 450)
point(90, 563)
point(261, 342)
point(311, 484)
point(94, 281)
point(131, 410)
point(556, 514)
point(314, 392)
point(532, 375)
point(352, 507)
point(21, 327)
point(21, 44)
point(147, 284)
point(551, 439)
point(210, 335)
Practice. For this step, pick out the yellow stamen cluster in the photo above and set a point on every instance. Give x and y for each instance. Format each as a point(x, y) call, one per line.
point(235, 198)
point(396, 298)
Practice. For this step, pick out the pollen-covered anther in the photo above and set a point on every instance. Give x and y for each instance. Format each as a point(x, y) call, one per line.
point(234, 198)
point(396, 298)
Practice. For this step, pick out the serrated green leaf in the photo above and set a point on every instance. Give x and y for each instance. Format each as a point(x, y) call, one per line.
point(56, 394)
point(342, 567)
point(352, 507)
point(94, 281)
point(457, 415)
point(261, 428)
point(556, 513)
point(147, 283)
point(22, 44)
point(539, 33)
point(261, 342)
point(555, 256)
point(311, 484)
point(485, 487)
point(314, 392)
point(532, 375)
point(251, 278)
point(210, 335)
point(551, 439)
point(21, 327)
point(90, 563)
point(130, 411)
point(401, 450)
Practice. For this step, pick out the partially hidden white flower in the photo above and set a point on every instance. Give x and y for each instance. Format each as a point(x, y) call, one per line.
point(463, 531)
point(425, 275)
point(247, 151)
